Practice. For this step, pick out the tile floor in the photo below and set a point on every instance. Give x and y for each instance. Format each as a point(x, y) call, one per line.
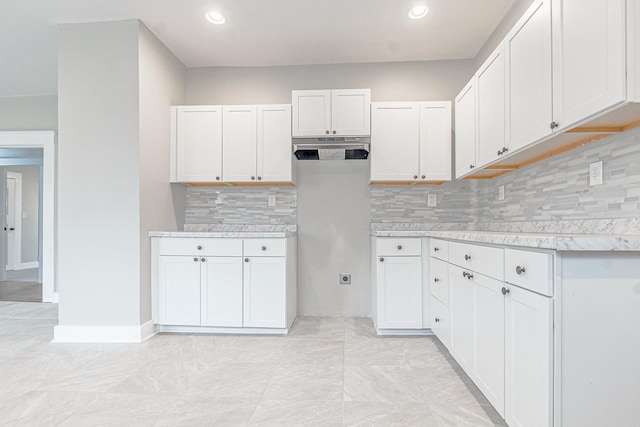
point(328, 371)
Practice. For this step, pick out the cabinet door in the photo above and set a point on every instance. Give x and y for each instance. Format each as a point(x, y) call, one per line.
point(435, 141)
point(589, 58)
point(239, 143)
point(465, 111)
point(274, 143)
point(440, 324)
point(399, 282)
point(221, 291)
point(528, 359)
point(461, 317)
point(488, 332)
point(311, 112)
point(529, 77)
point(491, 108)
point(351, 112)
point(199, 144)
point(179, 288)
point(394, 141)
point(265, 292)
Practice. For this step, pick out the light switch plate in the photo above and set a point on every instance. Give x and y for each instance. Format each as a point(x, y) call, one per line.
point(595, 173)
point(501, 192)
point(432, 200)
point(272, 200)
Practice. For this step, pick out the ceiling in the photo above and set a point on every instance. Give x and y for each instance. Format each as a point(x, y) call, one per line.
point(257, 32)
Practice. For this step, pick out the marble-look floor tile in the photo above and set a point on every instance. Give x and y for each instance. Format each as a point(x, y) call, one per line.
point(387, 414)
point(284, 413)
point(464, 414)
point(313, 352)
point(199, 411)
point(306, 382)
point(28, 310)
point(359, 327)
point(238, 380)
point(35, 408)
point(318, 328)
point(386, 384)
point(374, 351)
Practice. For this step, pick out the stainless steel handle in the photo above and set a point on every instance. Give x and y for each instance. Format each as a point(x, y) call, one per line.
point(195, 259)
point(203, 259)
point(505, 291)
point(199, 247)
point(467, 257)
point(264, 248)
point(399, 247)
point(553, 125)
point(436, 280)
point(381, 259)
point(519, 270)
point(246, 260)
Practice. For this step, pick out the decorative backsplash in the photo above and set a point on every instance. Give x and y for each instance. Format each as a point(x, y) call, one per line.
point(241, 205)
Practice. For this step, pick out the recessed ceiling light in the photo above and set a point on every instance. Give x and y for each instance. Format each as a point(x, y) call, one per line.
point(418, 12)
point(215, 17)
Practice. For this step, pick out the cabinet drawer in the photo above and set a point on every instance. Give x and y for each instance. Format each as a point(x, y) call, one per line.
point(439, 249)
point(265, 247)
point(529, 270)
point(440, 322)
point(200, 246)
point(481, 259)
point(398, 246)
point(439, 280)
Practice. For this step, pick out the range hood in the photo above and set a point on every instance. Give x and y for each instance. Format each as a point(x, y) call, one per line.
point(336, 148)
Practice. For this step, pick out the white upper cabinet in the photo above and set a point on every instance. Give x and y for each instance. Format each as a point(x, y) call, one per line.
point(274, 143)
point(411, 141)
point(490, 86)
point(318, 113)
point(196, 144)
point(589, 59)
point(465, 111)
point(529, 77)
point(239, 143)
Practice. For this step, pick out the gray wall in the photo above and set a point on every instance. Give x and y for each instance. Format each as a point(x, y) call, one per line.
point(29, 113)
point(30, 207)
point(98, 174)
point(162, 84)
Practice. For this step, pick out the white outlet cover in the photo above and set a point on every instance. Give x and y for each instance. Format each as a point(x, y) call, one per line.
point(432, 200)
point(595, 173)
point(501, 192)
point(272, 200)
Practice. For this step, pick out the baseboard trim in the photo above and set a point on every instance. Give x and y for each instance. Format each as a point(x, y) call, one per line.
point(221, 330)
point(28, 265)
point(404, 332)
point(103, 334)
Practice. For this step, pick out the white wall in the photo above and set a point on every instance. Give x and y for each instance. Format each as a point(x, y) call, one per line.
point(162, 84)
point(98, 174)
point(29, 113)
point(30, 207)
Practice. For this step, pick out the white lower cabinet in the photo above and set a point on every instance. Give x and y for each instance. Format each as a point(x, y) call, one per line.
point(179, 290)
point(461, 317)
point(264, 292)
point(221, 291)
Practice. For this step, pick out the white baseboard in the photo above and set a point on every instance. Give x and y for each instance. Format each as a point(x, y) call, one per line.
point(103, 334)
point(404, 332)
point(222, 330)
point(28, 265)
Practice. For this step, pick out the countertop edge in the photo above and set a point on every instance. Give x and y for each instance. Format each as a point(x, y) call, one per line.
point(223, 234)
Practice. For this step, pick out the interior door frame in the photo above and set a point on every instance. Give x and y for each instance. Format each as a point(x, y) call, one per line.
point(46, 141)
point(17, 226)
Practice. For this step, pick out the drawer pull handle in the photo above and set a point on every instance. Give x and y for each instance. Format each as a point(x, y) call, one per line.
point(554, 125)
point(467, 257)
point(436, 319)
point(264, 248)
point(436, 280)
point(246, 260)
point(399, 247)
point(199, 248)
point(519, 270)
point(436, 249)
point(467, 275)
point(195, 259)
point(381, 259)
point(505, 291)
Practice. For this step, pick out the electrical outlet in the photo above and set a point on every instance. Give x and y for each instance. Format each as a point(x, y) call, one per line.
point(595, 173)
point(432, 200)
point(501, 192)
point(272, 200)
point(345, 278)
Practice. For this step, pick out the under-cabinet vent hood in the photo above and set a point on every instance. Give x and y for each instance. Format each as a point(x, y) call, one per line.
point(338, 148)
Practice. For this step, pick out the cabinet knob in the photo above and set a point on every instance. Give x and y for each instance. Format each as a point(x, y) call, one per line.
point(259, 178)
point(504, 150)
point(467, 275)
point(327, 132)
point(399, 247)
point(253, 178)
point(467, 257)
point(415, 176)
point(505, 291)
point(203, 259)
point(264, 248)
point(499, 152)
point(217, 178)
point(423, 176)
point(471, 166)
point(519, 270)
point(436, 319)
point(436, 249)
point(464, 274)
point(246, 260)
point(436, 280)
point(381, 259)
point(334, 132)
point(195, 259)
point(553, 125)
point(199, 247)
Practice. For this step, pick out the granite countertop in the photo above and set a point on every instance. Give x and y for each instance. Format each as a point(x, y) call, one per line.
point(547, 240)
point(230, 231)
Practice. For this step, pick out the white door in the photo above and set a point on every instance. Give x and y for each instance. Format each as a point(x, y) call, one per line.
point(435, 141)
point(394, 141)
point(529, 77)
point(465, 146)
point(440, 322)
point(351, 112)
point(491, 108)
point(179, 288)
point(274, 143)
point(399, 281)
point(461, 317)
point(13, 221)
point(589, 58)
point(264, 292)
point(488, 327)
point(199, 144)
point(311, 112)
point(239, 143)
point(221, 293)
point(528, 359)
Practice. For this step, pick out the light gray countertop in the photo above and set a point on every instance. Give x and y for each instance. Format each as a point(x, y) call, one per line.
point(240, 231)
